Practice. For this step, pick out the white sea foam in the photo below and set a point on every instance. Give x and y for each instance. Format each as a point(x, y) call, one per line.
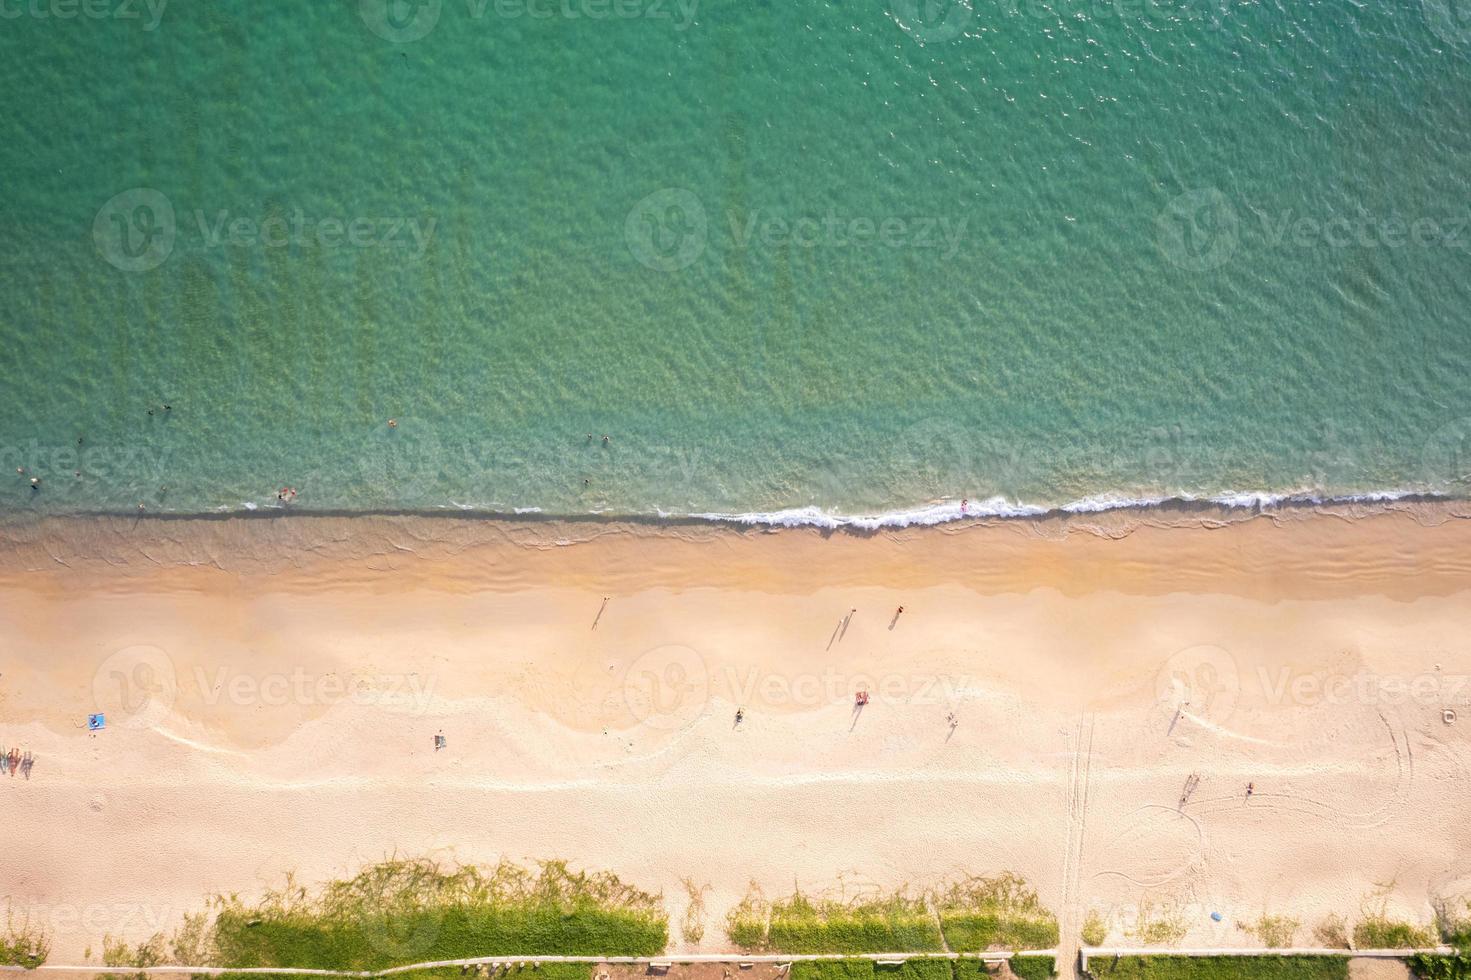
point(947, 511)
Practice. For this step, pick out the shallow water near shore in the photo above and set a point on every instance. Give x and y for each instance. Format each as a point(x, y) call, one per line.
point(794, 260)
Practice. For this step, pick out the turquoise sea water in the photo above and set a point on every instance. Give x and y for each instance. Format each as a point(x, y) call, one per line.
point(857, 257)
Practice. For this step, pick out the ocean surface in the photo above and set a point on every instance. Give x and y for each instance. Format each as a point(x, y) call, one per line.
point(797, 260)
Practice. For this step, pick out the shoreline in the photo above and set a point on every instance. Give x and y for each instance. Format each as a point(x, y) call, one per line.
point(37, 542)
point(1233, 504)
point(306, 663)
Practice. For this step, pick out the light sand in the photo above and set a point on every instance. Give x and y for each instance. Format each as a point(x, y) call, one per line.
point(273, 710)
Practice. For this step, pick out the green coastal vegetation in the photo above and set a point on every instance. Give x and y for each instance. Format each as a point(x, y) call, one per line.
point(997, 912)
point(22, 944)
point(1219, 967)
point(1455, 930)
point(971, 915)
point(1454, 966)
point(801, 923)
point(1025, 967)
point(401, 912)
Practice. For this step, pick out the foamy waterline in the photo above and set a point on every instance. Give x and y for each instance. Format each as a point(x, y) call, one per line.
point(945, 512)
point(929, 514)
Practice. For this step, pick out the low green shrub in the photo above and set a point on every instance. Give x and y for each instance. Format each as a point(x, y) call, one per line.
point(832, 970)
point(1381, 932)
point(1033, 967)
point(22, 944)
point(1001, 912)
point(1219, 967)
point(1429, 966)
point(401, 912)
point(893, 923)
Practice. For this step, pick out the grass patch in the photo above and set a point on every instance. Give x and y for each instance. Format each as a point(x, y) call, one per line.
point(1381, 932)
point(1157, 927)
point(542, 971)
point(1033, 967)
point(1429, 966)
point(1455, 925)
point(970, 969)
point(891, 924)
point(800, 924)
point(1220, 967)
point(1332, 932)
point(1094, 930)
point(692, 926)
point(745, 924)
point(1275, 931)
point(832, 970)
point(401, 912)
point(915, 970)
point(1000, 912)
point(22, 944)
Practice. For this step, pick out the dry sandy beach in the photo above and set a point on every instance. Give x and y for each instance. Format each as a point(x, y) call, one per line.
point(272, 688)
